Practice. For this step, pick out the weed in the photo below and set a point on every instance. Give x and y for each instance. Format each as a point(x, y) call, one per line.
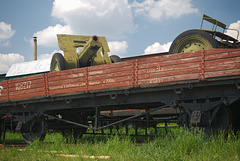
point(179, 144)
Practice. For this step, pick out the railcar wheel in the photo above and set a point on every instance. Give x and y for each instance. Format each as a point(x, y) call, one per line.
point(37, 130)
point(57, 63)
point(235, 110)
point(74, 133)
point(193, 40)
point(222, 122)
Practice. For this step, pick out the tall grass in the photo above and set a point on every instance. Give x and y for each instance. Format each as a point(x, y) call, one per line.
point(180, 144)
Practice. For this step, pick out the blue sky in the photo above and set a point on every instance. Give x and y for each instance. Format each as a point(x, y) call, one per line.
point(132, 27)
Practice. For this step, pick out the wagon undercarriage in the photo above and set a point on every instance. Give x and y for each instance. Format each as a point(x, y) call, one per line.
point(208, 104)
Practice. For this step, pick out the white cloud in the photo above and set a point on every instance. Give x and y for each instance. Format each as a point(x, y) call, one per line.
point(233, 33)
point(8, 59)
point(49, 55)
point(160, 9)
point(6, 32)
point(118, 48)
point(110, 18)
point(48, 37)
point(157, 48)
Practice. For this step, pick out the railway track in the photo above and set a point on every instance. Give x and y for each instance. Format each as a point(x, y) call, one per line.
point(13, 145)
point(136, 131)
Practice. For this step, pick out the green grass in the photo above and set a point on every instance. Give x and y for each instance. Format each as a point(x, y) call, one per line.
point(179, 144)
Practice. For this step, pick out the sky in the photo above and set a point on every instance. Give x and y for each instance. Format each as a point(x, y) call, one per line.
point(132, 27)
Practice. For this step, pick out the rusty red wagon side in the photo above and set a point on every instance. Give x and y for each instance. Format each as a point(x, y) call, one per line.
point(202, 85)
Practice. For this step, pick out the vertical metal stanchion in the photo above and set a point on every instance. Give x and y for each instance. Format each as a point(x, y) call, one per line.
point(126, 128)
point(136, 129)
point(97, 113)
point(147, 121)
point(166, 127)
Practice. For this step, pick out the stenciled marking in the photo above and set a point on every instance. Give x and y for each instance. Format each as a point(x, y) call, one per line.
point(23, 85)
point(1, 88)
point(76, 75)
point(67, 86)
point(95, 72)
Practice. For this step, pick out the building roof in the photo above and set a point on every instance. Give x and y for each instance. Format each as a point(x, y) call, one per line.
point(32, 67)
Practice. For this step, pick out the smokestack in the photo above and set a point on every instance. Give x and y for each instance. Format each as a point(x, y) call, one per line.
point(35, 48)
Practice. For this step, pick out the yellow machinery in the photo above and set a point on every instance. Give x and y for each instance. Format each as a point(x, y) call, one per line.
point(194, 40)
point(94, 51)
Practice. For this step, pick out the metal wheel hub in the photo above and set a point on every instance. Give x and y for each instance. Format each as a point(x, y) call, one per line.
point(193, 40)
point(193, 47)
point(55, 66)
point(193, 43)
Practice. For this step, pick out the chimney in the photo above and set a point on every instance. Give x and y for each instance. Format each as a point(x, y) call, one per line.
point(35, 48)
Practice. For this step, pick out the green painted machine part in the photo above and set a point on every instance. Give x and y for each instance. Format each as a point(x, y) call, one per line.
point(195, 40)
point(94, 51)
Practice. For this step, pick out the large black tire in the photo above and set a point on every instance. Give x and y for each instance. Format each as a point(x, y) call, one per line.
point(57, 63)
point(115, 58)
point(193, 40)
